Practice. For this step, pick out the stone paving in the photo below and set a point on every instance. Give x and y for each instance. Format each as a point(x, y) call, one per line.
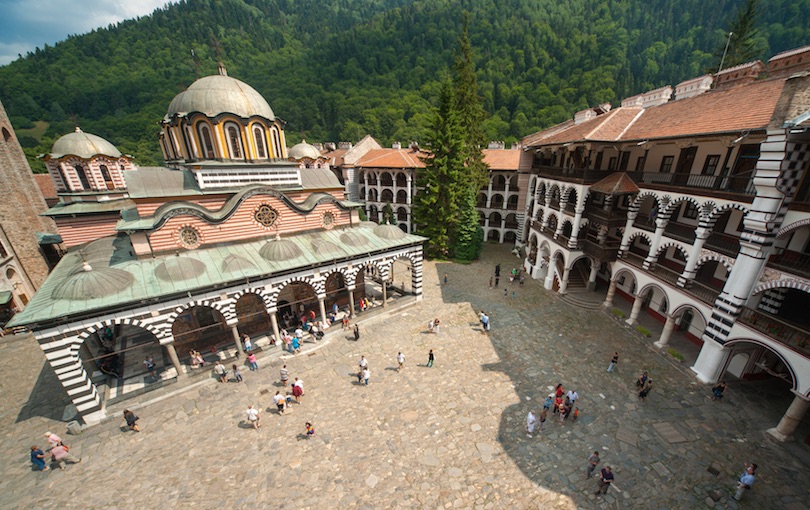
point(451, 436)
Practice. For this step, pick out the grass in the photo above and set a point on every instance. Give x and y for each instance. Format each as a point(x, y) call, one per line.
point(618, 313)
point(644, 331)
point(675, 354)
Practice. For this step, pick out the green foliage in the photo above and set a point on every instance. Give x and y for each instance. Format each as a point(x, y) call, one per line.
point(644, 331)
point(745, 44)
point(675, 354)
point(338, 70)
point(388, 214)
point(618, 313)
point(469, 236)
point(362, 214)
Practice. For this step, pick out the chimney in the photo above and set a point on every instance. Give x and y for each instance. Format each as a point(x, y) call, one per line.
point(743, 73)
point(693, 87)
point(656, 97)
point(516, 146)
point(345, 145)
point(789, 62)
point(396, 145)
point(414, 146)
point(632, 101)
point(498, 145)
point(221, 69)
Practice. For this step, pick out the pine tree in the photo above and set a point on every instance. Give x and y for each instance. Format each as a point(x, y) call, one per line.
point(469, 236)
point(388, 214)
point(745, 44)
point(436, 204)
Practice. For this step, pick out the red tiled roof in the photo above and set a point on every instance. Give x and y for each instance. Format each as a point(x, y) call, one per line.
point(46, 185)
point(335, 157)
point(502, 159)
point(392, 158)
point(617, 183)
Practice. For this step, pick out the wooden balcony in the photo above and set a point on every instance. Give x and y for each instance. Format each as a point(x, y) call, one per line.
point(792, 262)
point(788, 334)
point(607, 252)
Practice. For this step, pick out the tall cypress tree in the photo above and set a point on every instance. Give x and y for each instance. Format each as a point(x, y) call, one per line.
point(439, 185)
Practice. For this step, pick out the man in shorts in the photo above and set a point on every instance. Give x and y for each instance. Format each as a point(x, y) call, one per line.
point(253, 417)
point(280, 401)
point(401, 361)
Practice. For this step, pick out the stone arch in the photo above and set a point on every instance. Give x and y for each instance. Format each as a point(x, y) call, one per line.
point(567, 228)
point(494, 234)
point(402, 180)
point(770, 349)
point(636, 204)
point(688, 306)
point(482, 200)
point(623, 273)
point(495, 217)
point(387, 196)
point(672, 244)
point(674, 203)
point(591, 261)
point(554, 193)
point(496, 202)
point(251, 311)
point(402, 214)
point(112, 323)
point(716, 212)
point(201, 325)
point(791, 227)
point(651, 287)
point(541, 192)
point(634, 235)
point(717, 258)
point(788, 283)
point(569, 195)
point(210, 303)
point(402, 197)
point(386, 179)
point(539, 215)
point(406, 276)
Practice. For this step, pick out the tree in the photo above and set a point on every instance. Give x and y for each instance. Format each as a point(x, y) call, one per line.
point(436, 204)
point(469, 236)
point(745, 44)
point(388, 214)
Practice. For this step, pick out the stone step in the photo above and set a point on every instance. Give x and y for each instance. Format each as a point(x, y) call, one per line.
point(580, 302)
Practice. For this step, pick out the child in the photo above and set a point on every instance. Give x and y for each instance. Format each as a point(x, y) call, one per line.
point(236, 374)
point(576, 413)
point(310, 430)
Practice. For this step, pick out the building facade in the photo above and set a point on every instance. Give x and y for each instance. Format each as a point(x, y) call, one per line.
point(696, 208)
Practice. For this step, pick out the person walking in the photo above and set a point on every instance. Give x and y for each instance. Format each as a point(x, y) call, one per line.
point(237, 375)
point(445, 278)
point(431, 359)
point(531, 423)
point(572, 397)
point(280, 401)
point(254, 366)
point(296, 345)
point(549, 402)
point(401, 361)
point(613, 362)
point(718, 390)
point(490, 282)
point(38, 459)
point(288, 342)
point(285, 375)
point(53, 439)
point(645, 390)
point(366, 375)
point(149, 363)
point(356, 332)
point(132, 420)
point(605, 480)
point(61, 455)
point(593, 461)
point(484, 322)
point(221, 371)
point(436, 323)
point(298, 390)
point(431, 325)
point(747, 479)
point(345, 322)
point(253, 417)
point(246, 341)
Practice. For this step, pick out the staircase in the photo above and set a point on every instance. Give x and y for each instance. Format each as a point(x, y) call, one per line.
point(584, 300)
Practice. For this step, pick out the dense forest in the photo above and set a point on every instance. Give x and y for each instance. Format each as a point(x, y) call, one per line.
point(340, 69)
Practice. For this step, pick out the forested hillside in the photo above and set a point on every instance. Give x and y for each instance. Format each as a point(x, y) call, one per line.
point(339, 69)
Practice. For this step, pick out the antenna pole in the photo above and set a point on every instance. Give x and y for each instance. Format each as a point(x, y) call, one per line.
point(722, 60)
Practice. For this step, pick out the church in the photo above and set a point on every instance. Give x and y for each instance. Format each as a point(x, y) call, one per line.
point(232, 236)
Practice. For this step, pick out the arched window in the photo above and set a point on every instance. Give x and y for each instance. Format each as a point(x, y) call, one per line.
point(62, 175)
point(258, 134)
point(276, 152)
point(205, 141)
point(234, 141)
point(105, 173)
point(82, 176)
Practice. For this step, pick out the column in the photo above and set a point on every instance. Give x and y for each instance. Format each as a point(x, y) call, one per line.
point(610, 293)
point(660, 223)
point(669, 325)
point(701, 234)
point(409, 200)
point(235, 332)
point(351, 302)
point(635, 311)
point(787, 425)
point(549, 283)
point(710, 362)
point(592, 277)
point(274, 324)
point(631, 217)
point(365, 186)
point(489, 192)
point(385, 292)
point(572, 243)
point(322, 309)
point(564, 282)
point(175, 360)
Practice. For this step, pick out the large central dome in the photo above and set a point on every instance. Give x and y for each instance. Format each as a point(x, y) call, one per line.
point(218, 94)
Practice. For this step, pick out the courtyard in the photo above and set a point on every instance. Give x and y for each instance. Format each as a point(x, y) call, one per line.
point(451, 436)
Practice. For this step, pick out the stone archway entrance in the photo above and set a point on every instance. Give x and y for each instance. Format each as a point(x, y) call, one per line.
point(296, 300)
point(252, 315)
point(201, 328)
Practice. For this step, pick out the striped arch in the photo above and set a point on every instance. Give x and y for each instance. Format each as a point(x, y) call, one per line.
point(708, 258)
point(259, 291)
point(552, 214)
point(673, 204)
point(636, 204)
point(342, 271)
point(640, 233)
point(789, 283)
point(665, 246)
point(550, 192)
point(540, 192)
point(100, 326)
point(565, 193)
point(793, 226)
point(772, 350)
point(210, 303)
point(539, 215)
point(319, 286)
point(389, 266)
point(717, 211)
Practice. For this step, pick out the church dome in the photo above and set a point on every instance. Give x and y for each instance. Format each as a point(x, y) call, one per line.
point(213, 95)
point(89, 283)
point(389, 232)
point(280, 250)
point(303, 150)
point(83, 145)
point(179, 268)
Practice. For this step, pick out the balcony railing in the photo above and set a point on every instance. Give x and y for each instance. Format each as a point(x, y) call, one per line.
point(666, 274)
point(792, 262)
point(788, 334)
point(723, 243)
point(700, 290)
point(680, 231)
point(512, 225)
point(703, 292)
point(610, 219)
point(605, 253)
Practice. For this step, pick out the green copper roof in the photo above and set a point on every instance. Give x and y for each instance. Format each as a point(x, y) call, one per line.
point(77, 208)
point(156, 279)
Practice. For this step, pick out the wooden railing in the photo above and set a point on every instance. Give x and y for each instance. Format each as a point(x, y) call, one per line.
point(788, 334)
point(792, 262)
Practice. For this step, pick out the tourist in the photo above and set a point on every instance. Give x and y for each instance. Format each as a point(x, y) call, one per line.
point(490, 282)
point(149, 363)
point(310, 430)
point(280, 401)
point(645, 390)
point(401, 361)
point(253, 417)
point(366, 375)
point(285, 375)
point(221, 371)
point(549, 402)
point(431, 359)
point(576, 414)
point(605, 480)
point(559, 391)
point(642, 379)
point(436, 323)
point(192, 356)
point(445, 278)
point(718, 390)
point(531, 423)
point(543, 415)
point(497, 279)
point(296, 345)
point(246, 341)
point(431, 325)
point(61, 455)
point(613, 362)
point(53, 439)
point(254, 365)
point(238, 375)
point(132, 420)
point(747, 479)
point(345, 322)
point(38, 459)
point(572, 396)
point(593, 460)
point(356, 332)
point(298, 390)
point(287, 342)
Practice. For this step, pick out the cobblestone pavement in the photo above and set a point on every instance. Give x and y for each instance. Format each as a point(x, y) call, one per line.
point(451, 436)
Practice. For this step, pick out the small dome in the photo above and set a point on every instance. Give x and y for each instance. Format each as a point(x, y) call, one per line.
point(389, 232)
point(367, 224)
point(324, 247)
point(303, 150)
point(83, 145)
point(353, 239)
point(179, 268)
point(236, 263)
point(89, 283)
point(213, 95)
point(280, 250)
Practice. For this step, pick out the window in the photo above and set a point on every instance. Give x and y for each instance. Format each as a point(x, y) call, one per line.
point(710, 166)
point(265, 215)
point(206, 142)
point(612, 163)
point(105, 173)
point(258, 134)
point(666, 164)
point(82, 176)
point(328, 220)
point(234, 142)
point(690, 212)
point(640, 163)
point(189, 237)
